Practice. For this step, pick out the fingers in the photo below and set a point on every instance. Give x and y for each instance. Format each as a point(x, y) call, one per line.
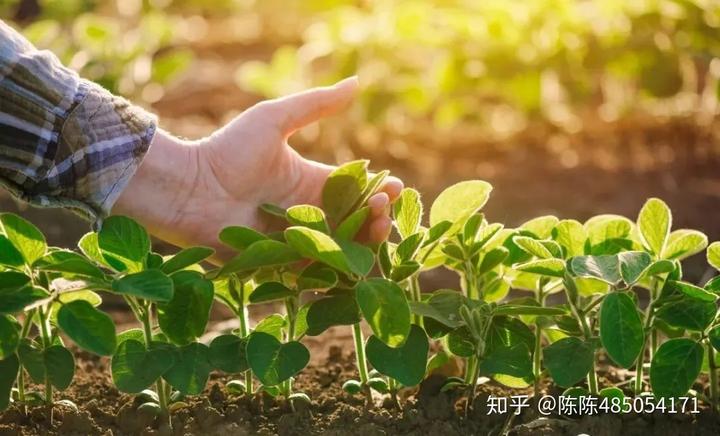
point(380, 228)
point(392, 187)
point(298, 110)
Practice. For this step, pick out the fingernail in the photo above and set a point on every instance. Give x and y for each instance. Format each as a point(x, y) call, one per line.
point(349, 80)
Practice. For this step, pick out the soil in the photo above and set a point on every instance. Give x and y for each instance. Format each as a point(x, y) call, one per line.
point(427, 410)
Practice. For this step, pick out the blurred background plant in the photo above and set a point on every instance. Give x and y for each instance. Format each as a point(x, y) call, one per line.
point(572, 107)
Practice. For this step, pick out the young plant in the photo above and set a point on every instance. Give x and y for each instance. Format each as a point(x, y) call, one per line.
point(34, 284)
point(170, 300)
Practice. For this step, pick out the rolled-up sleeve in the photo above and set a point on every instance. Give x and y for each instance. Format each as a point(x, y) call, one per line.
point(64, 141)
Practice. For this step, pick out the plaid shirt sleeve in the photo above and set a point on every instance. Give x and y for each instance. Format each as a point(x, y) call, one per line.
point(64, 141)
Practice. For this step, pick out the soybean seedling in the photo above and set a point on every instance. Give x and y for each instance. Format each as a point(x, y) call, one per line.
point(170, 300)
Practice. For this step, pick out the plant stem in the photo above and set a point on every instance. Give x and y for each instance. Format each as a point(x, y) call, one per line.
point(713, 376)
point(653, 343)
point(45, 334)
point(587, 334)
point(415, 295)
point(291, 307)
point(392, 386)
point(361, 362)
point(27, 324)
point(242, 316)
point(146, 320)
point(537, 352)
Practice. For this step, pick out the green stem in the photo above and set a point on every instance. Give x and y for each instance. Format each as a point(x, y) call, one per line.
point(638, 388)
point(587, 334)
point(47, 342)
point(291, 307)
point(360, 353)
point(415, 295)
point(146, 320)
point(713, 376)
point(242, 316)
point(537, 352)
point(27, 324)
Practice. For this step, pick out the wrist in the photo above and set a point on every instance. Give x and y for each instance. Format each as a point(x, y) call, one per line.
point(155, 193)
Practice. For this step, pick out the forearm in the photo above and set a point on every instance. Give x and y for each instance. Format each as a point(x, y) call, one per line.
point(160, 185)
point(64, 141)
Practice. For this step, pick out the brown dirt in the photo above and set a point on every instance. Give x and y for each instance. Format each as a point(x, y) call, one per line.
point(103, 410)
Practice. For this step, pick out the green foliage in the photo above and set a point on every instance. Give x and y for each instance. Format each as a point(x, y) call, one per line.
point(598, 266)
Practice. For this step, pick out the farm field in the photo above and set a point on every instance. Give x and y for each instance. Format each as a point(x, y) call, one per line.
point(555, 239)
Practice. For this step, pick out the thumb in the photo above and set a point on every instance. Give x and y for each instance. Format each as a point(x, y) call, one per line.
point(298, 110)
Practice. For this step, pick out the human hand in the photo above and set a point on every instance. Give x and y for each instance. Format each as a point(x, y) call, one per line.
point(185, 192)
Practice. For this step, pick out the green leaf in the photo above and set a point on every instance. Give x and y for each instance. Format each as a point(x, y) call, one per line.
point(360, 259)
point(514, 361)
point(518, 309)
point(603, 267)
point(70, 263)
point(654, 222)
point(240, 237)
point(135, 368)
point(152, 285)
point(273, 362)
point(688, 313)
point(317, 246)
point(407, 211)
point(308, 216)
point(442, 306)
point(272, 325)
point(460, 342)
point(568, 360)
point(459, 201)
point(9, 337)
point(713, 255)
point(89, 328)
point(125, 241)
point(691, 290)
point(343, 189)
point(9, 368)
point(492, 259)
point(136, 334)
point(17, 292)
point(331, 311)
point(684, 243)
point(9, 255)
point(714, 337)
point(262, 253)
point(88, 244)
point(372, 187)
point(227, 353)
point(185, 258)
point(385, 308)
point(544, 267)
point(608, 234)
point(270, 291)
point(533, 247)
point(541, 226)
point(675, 367)
point(316, 276)
point(621, 329)
point(409, 246)
point(273, 210)
point(571, 235)
point(185, 316)
point(406, 363)
point(633, 265)
point(507, 332)
point(24, 236)
point(191, 370)
point(351, 225)
point(55, 363)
